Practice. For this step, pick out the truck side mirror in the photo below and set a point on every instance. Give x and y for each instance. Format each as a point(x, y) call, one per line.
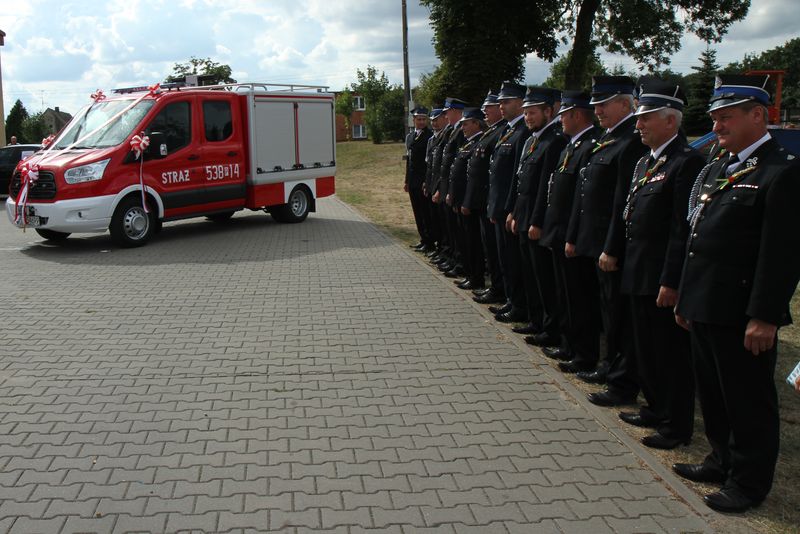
point(158, 147)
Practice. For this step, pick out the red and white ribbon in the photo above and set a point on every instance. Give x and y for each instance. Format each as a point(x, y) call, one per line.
point(47, 141)
point(139, 144)
point(153, 89)
point(28, 175)
point(98, 95)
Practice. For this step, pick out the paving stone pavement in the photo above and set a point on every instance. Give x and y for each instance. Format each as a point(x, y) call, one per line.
point(252, 377)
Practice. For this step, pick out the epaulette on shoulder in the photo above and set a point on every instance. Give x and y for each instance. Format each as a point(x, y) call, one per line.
point(789, 157)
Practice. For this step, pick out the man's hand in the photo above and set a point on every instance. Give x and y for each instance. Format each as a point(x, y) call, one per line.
point(465, 210)
point(797, 384)
point(607, 263)
point(509, 220)
point(436, 197)
point(448, 200)
point(759, 336)
point(424, 190)
point(492, 220)
point(683, 323)
point(534, 233)
point(667, 297)
point(569, 250)
point(514, 226)
point(405, 188)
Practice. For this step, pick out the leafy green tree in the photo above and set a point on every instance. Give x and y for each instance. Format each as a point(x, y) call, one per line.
point(14, 121)
point(700, 88)
point(219, 72)
point(34, 129)
point(372, 87)
point(481, 43)
point(558, 72)
point(345, 105)
point(432, 89)
point(390, 113)
point(785, 57)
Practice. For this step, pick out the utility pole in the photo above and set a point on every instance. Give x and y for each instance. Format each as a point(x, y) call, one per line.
point(2, 112)
point(406, 83)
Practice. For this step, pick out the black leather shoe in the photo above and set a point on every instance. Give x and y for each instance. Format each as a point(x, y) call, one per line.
point(435, 253)
point(490, 298)
point(542, 339)
point(609, 398)
point(455, 272)
point(574, 366)
point(637, 419)
point(480, 292)
point(468, 284)
point(500, 309)
point(730, 500)
point(528, 328)
point(557, 353)
point(699, 473)
point(427, 249)
point(657, 441)
point(592, 377)
point(512, 316)
point(418, 246)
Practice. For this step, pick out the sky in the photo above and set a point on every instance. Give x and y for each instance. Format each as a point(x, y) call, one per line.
point(57, 53)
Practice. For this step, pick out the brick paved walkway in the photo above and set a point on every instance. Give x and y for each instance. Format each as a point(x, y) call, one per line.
point(293, 378)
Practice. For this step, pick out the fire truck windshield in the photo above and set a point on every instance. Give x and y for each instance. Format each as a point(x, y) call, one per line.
point(100, 116)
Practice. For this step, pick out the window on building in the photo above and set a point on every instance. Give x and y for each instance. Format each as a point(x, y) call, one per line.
point(175, 122)
point(217, 120)
point(359, 131)
point(358, 102)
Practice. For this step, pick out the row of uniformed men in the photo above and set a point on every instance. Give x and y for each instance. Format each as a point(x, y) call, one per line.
point(686, 263)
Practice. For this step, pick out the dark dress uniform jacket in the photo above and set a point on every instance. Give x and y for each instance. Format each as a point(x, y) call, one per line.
point(478, 169)
point(555, 206)
point(435, 160)
point(535, 166)
point(655, 219)
point(458, 172)
point(603, 190)
point(455, 140)
point(416, 168)
point(505, 161)
point(743, 254)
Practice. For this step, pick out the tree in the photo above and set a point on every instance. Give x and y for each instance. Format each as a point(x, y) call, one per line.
point(34, 129)
point(14, 121)
point(390, 112)
point(372, 87)
point(558, 72)
point(785, 57)
point(701, 86)
point(482, 43)
point(219, 73)
point(345, 105)
point(468, 40)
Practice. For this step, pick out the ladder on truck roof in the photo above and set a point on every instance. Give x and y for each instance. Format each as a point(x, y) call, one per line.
point(252, 86)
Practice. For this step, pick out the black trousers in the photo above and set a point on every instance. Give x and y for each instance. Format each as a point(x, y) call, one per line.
point(441, 214)
point(663, 359)
point(533, 298)
point(542, 260)
point(490, 252)
point(421, 215)
point(475, 263)
point(739, 402)
point(615, 313)
point(434, 224)
point(453, 233)
point(576, 279)
point(509, 258)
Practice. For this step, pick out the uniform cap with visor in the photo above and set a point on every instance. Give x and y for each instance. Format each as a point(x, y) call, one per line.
point(657, 94)
point(604, 88)
point(735, 89)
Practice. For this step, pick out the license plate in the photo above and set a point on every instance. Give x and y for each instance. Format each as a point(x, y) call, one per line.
point(33, 220)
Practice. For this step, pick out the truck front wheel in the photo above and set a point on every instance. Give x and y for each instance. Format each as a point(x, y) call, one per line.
point(130, 225)
point(52, 235)
point(296, 210)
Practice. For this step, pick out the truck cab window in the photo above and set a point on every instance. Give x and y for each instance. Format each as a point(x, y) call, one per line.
point(218, 122)
point(175, 122)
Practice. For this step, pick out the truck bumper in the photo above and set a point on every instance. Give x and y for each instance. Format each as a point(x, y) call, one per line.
point(71, 216)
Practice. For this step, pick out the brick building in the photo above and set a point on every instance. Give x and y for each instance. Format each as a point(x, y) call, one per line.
point(358, 128)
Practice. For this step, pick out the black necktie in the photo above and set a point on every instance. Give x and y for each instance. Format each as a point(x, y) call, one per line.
point(732, 160)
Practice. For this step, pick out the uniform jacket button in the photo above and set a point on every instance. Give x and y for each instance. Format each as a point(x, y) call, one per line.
point(691, 254)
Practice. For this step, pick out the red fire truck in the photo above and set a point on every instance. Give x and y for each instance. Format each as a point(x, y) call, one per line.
point(145, 155)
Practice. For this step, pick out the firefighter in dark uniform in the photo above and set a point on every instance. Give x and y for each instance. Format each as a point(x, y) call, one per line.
point(472, 125)
point(444, 249)
point(655, 243)
point(575, 279)
point(453, 110)
point(741, 270)
point(475, 199)
point(437, 122)
point(539, 159)
point(601, 197)
point(416, 168)
point(504, 163)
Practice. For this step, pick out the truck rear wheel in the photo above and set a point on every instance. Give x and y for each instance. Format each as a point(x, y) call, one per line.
point(296, 210)
point(130, 225)
point(52, 235)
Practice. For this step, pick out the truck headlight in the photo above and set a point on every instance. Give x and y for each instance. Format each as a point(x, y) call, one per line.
point(86, 173)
